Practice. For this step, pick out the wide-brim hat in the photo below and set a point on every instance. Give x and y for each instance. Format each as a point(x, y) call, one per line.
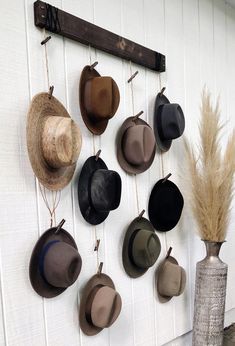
point(99, 190)
point(96, 282)
point(96, 124)
point(165, 205)
point(131, 268)
point(42, 111)
point(38, 282)
point(149, 142)
point(179, 281)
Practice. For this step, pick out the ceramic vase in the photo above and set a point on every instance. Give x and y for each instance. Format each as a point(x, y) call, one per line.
point(210, 293)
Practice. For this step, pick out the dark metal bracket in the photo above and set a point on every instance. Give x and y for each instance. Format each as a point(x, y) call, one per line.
point(65, 24)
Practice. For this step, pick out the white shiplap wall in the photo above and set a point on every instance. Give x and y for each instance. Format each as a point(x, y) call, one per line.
point(197, 37)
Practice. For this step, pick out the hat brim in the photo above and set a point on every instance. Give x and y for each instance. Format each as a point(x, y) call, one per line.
point(95, 127)
point(40, 108)
point(163, 145)
point(131, 121)
point(98, 279)
point(89, 213)
point(163, 299)
point(43, 288)
point(130, 268)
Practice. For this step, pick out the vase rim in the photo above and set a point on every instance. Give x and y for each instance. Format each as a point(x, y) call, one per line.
point(214, 241)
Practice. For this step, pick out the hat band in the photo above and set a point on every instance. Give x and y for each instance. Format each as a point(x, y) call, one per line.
point(42, 258)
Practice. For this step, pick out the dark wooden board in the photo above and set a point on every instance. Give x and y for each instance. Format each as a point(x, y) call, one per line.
point(67, 25)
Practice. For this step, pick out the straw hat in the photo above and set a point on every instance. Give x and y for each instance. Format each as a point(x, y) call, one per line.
point(100, 305)
point(54, 142)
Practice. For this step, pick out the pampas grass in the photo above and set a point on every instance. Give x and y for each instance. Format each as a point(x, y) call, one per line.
point(211, 174)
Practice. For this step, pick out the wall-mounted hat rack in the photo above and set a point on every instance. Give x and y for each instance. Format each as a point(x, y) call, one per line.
point(65, 24)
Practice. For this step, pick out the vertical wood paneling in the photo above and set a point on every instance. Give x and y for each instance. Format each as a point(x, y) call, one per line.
point(197, 37)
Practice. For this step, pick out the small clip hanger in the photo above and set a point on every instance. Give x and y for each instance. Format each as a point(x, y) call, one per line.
point(133, 76)
point(166, 177)
point(60, 226)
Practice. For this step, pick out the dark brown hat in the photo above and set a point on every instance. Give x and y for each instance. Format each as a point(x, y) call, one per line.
point(170, 279)
point(99, 190)
point(169, 122)
point(141, 247)
point(55, 263)
point(99, 99)
point(100, 305)
point(135, 146)
point(53, 140)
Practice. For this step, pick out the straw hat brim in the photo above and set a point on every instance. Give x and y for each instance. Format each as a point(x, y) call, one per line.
point(40, 108)
point(163, 145)
point(131, 169)
point(130, 268)
point(95, 127)
point(39, 284)
point(163, 299)
point(90, 214)
point(98, 279)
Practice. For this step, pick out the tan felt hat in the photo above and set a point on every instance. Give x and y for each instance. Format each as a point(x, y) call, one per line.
point(136, 145)
point(100, 305)
point(170, 279)
point(99, 99)
point(54, 141)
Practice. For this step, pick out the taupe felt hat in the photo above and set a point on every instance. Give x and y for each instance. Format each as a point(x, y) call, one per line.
point(55, 263)
point(99, 99)
point(100, 305)
point(54, 141)
point(141, 247)
point(170, 279)
point(135, 145)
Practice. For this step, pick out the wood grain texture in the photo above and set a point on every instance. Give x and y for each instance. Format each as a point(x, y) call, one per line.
point(197, 37)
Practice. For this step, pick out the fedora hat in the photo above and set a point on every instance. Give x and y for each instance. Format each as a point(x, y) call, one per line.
point(100, 305)
point(165, 205)
point(135, 145)
point(170, 279)
point(53, 140)
point(141, 247)
point(169, 122)
point(55, 263)
point(99, 99)
point(99, 190)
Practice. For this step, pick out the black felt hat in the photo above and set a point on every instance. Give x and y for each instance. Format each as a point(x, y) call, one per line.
point(99, 190)
point(169, 122)
point(165, 205)
point(141, 247)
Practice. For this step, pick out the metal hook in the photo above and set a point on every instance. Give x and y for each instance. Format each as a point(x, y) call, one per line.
point(97, 245)
point(93, 65)
point(138, 115)
point(46, 40)
point(166, 177)
point(50, 92)
point(162, 91)
point(169, 252)
point(59, 226)
point(100, 268)
point(141, 214)
point(133, 76)
point(97, 155)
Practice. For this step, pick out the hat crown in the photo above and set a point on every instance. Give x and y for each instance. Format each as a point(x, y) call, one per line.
point(138, 144)
point(61, 264)
point(61, 141)
point(101, 98)
point(145, 248)
point(171, 279)
point(105, 190)
point(105, 307)
point(172, 122)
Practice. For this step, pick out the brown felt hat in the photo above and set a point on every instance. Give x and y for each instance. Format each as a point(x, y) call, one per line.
point(99, 99)
point(55, 263)
point(141, 247)
point(100, 305)
point(170, 279)
point(135, 145)
point(54, 142)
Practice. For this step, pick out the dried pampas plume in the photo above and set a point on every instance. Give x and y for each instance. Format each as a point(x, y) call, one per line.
point(211, 175)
